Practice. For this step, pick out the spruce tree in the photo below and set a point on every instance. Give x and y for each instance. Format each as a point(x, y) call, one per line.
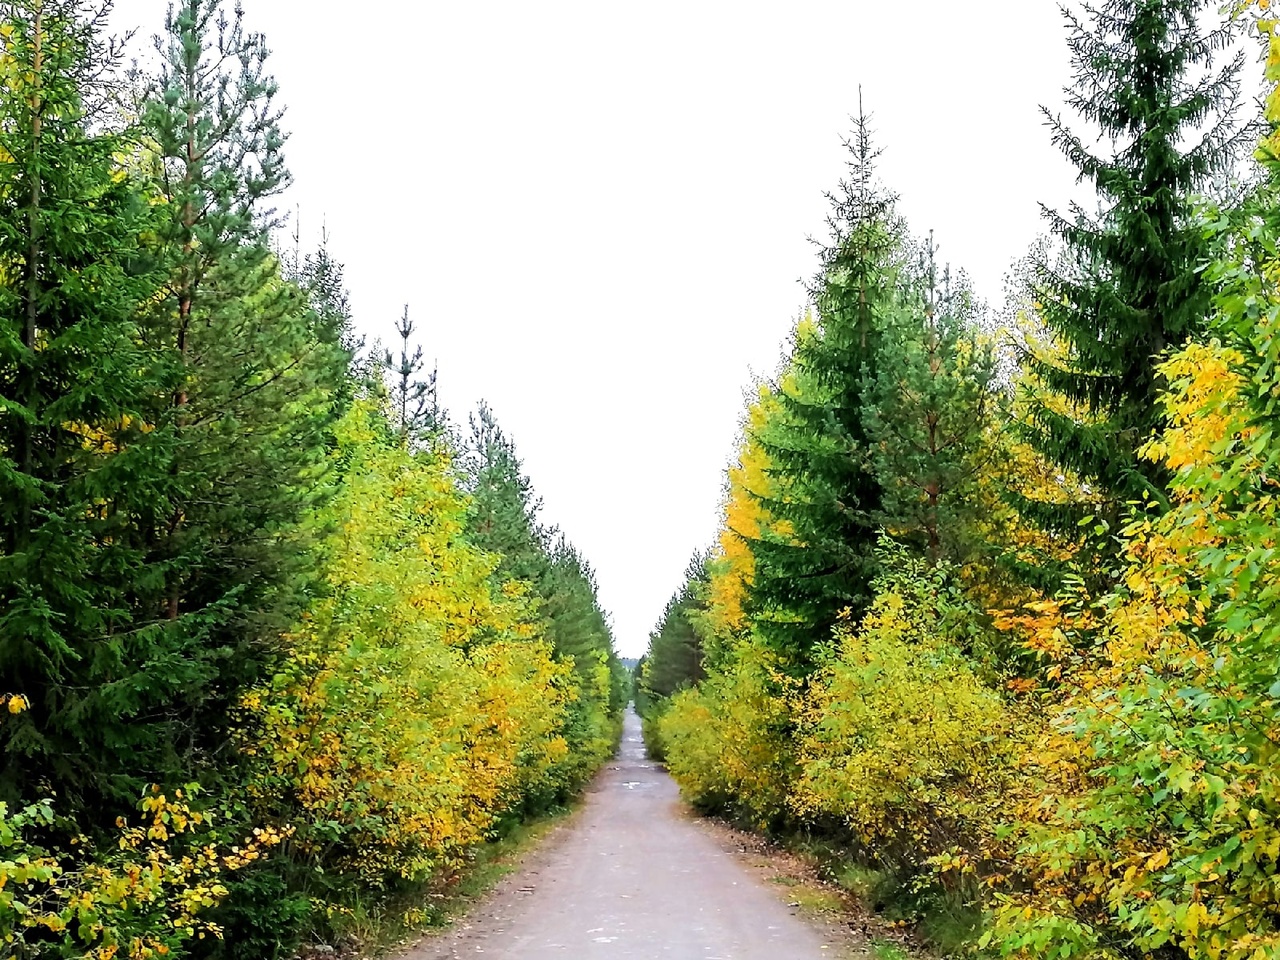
point(576, 624)
point(323, 280)
point(79, 452)
point(676, 658)
point(503, 519)
point(1146, 79)
point(824, 488)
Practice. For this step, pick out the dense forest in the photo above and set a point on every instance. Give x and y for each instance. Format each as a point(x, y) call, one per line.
point(992, 619)
point(281, 645)
point(993, 610)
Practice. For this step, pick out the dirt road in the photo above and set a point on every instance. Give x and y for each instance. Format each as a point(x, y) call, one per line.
point(632, 877)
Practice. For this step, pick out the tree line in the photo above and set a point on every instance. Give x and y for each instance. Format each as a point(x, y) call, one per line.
point(280, 643)
point(993, 609)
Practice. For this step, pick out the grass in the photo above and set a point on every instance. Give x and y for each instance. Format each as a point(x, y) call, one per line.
point(950, 927)
point(887, 950)
point(940, 920)
point(376, 926)
point(814, 899)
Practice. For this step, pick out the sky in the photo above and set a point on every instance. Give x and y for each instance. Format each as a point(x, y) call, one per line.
point(599, 213)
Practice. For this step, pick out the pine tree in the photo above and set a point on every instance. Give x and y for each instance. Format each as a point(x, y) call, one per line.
point(934, 399)
point(1145, 77)
point(414, 401)
point(824, 488)
point(78, 451)
point(261, 371)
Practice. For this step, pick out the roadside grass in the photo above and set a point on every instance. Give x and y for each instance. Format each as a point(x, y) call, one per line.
point(941, 922)
point(376, 926)
point(887, 950)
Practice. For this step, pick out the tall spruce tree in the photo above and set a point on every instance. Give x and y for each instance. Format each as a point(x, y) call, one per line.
point(504, 511)
point(824, 490)
point(78, 453)
point(1145, 77)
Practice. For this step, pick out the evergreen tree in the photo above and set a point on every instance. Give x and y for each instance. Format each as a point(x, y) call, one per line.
point(1145, 77)
point(503, 521)
point(675, 658)
point(577, 626)
point(324, 281)
point(261, 371)
point(414, 402)
point(824, 493)
point(78, 454)
point(934, 399)
point(504, 507)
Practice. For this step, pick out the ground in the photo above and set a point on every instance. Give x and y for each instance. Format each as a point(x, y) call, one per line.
point(633, 876)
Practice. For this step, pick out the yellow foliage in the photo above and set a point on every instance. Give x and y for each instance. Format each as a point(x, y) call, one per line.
point(732, 567)
point(1146, 809)
point(416, 708)
point(726, 740)
point(1205, 379)
point(140, 900)
point(900, 737)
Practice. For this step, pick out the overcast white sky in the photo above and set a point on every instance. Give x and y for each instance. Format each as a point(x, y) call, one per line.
point(598, 211)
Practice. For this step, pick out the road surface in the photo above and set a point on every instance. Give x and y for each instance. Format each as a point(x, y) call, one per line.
point(633, 877)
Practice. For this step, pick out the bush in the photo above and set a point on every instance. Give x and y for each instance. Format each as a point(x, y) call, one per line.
point(727, 741)
point(901, 738)
point(147, 895)
point(417, 705)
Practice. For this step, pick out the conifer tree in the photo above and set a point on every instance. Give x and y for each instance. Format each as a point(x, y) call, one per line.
point(261, 372)
point(824, 490)
point(504, 507)
point(1146, 79)
point(577, 626)
point(414, 401)
point(323, 279)
point(676, 656)
point(934, 398)
point(77, 451)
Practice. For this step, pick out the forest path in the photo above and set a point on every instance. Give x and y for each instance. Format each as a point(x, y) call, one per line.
point(633, 877)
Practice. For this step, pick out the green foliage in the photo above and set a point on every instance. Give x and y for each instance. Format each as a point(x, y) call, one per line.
point(262, 917)
point(676, 659)
point(79, 483)
point(503, 520)
point(1165, 836)
point(823, 489)
point(410, 618)
point(1132, 284)
point(930, 411)
point(223, 558)
point(141, 896)
point(727, 741)
point(260, 360)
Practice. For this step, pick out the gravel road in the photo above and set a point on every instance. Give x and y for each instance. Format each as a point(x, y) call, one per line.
point(633, 877)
